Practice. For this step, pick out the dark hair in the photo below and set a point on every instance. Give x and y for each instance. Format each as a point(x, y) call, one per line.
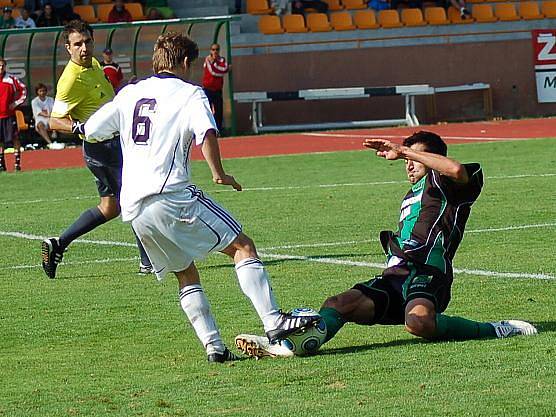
point(170, 49)
point(432, 142)
point(76, 26)
point(2, 59)
point(39, 86)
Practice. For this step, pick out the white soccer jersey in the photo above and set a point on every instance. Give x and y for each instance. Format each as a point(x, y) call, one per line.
point(159, 119)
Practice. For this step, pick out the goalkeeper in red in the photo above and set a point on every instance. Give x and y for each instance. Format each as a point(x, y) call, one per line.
point(415, 288)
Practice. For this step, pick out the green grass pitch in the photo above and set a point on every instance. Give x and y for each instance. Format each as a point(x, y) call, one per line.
point(102, 341)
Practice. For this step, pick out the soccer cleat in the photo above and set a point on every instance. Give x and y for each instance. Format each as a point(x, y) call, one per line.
point(227, 356)
point(52, 255)
point(509, 328)
point(259, 347)
point(289, 324)
point(145, 269)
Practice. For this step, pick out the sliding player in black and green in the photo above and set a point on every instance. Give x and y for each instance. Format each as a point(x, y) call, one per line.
point(414, 289)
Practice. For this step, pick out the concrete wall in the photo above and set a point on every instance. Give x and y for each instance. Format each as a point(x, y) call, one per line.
point(506, 65)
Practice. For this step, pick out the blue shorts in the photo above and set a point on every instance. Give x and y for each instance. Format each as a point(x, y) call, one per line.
point(104, 160)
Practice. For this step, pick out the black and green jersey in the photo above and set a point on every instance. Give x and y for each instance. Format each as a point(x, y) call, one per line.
point(432, 219)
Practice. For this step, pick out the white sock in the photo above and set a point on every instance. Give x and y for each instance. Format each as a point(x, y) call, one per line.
point(196, 307)
point(253, 280)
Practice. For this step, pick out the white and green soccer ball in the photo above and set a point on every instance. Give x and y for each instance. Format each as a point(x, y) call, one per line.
point(307, 341)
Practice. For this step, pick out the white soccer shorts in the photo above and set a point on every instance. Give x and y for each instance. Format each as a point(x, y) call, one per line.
point(178, 228)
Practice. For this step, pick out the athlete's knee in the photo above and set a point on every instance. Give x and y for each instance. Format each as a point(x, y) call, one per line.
point(241, 248)
point(334, 302)
point(420, 325)
point(109, 207)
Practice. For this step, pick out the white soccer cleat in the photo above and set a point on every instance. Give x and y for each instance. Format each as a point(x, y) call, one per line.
point(259, 347)
point(509, 328)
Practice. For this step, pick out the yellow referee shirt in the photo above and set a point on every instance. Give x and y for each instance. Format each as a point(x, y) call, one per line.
point(81, 91)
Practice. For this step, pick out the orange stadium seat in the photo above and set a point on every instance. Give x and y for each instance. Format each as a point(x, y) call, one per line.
point(483, 13)
point(103, 10)
point(258, 7)
point(389, 19)
point(342, 21)
point(16, 13)
point(4, 3)
point(334, 5)
point(136, 11)
point(436, 16)
point(413, 17)
point(270, 25)
point(19, 3)
point(354, 4)
point(454, 16)
point(318, 22)
point(529, 10)
point(506, 12)
point(294, 23)
point(100, 1)
point(86, 12)
point(365, 19)
point(548, 9)
point(20, 120)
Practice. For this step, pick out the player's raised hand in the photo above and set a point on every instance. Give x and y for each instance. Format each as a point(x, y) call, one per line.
point(228, 180)
point(384, 148)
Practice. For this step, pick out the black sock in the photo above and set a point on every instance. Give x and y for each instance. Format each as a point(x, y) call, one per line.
point(17, 159)
point(145, 261)
point(88, 220)
point(2, 160)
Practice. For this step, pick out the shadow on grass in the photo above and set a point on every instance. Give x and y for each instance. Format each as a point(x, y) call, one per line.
point(372, 346)
point(546, 326)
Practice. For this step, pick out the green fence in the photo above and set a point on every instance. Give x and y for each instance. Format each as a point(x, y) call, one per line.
point(39, 55)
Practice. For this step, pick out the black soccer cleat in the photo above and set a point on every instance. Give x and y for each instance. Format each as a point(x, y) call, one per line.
point(52, 255)
point(290, 324)
point(227, 356)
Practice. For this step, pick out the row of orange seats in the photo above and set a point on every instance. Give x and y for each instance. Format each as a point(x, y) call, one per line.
point(89, 15)
point(367, 19)
point(21, 3)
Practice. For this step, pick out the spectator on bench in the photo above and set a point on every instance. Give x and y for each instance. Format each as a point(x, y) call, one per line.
point(42, 107)
point(24, 20)
point(7, 21)
point(119, 13)
point(48, 18)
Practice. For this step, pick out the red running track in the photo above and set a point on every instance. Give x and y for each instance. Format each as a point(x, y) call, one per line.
point(329, 141)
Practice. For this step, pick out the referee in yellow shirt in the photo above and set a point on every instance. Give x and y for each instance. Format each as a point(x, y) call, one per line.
point(82, 89)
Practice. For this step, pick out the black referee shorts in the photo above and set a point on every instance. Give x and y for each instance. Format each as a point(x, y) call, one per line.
point(104, 160)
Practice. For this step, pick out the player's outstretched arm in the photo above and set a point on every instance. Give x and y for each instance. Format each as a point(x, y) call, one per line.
point(444, 165)
point(211, 152)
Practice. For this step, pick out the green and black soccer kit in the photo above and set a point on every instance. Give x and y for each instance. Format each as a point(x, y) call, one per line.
point(432, 220)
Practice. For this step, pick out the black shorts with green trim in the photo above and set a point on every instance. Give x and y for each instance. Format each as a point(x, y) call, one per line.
point(397, 285)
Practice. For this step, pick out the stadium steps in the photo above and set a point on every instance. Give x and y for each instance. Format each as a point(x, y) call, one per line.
point(202, 8)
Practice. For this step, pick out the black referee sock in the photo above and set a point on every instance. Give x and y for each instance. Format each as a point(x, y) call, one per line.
point(88, 220)
point(2, 161)
point(17, 156)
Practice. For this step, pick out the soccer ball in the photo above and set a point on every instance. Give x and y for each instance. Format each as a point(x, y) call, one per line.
point(308, 341)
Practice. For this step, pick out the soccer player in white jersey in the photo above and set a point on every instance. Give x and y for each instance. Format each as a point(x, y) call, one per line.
point(159, 120)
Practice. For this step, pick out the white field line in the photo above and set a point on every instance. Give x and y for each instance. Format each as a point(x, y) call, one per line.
point(381, 136)
point(311, 259)
point(382, 265)
point(283, 188)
